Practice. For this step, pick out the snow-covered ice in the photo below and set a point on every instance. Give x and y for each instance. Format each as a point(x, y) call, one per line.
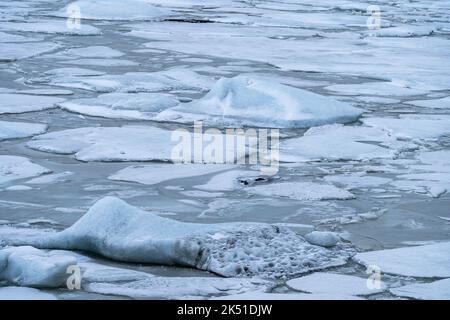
point(322, 238)
point(247, 101)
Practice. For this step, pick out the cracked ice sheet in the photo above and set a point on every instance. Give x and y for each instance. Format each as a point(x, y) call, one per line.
point(429, 261)
point(50, 26)
point(333, 283)
point(119, 231)
point(20, 103)
point(157, 173)
point(16, 51)
point(14, 168)
point(431, 174)
point(139, 105)
point(392, 59)
point(171, 79)
point(14, 130)
point(438, 290)
point(301, 191)
point(337, 142)
point(127, 143)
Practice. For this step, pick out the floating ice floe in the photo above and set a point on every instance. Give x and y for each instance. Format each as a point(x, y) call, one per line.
point(19, 103)
point(127, 143)
point(16, 51)
point(50, 178)
point(20, 293)
point(287, 296)
point(404, 31)
point(50, 26)
point(172, 79)
point(245, 101)
point(354, 181)
point(14, 130)
point(157, 173)
point(375, 88)
point(103, 62)
point(115, 10)
point(412, 126)
point(119, 231)
point(333, 283)
point(139, 105)
point(229, 180)
point(66, 72)
point(437, 290)
point(30, 267)
point(7, 37)
point(443, 103)
point(14, 168)
point(337, 142)
point(94, 52)
point(301, 191)
point(429, 261)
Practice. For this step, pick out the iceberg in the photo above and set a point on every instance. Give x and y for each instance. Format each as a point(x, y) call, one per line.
point(121, 232)
point(251, 101)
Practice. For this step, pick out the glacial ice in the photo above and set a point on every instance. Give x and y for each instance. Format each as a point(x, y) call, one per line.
point(19, 103)
point(251, 101)
point(30, 267)
point(14, 168)
point(119, 231)
point(428, 261)
point(14, 130)
point(333, 283)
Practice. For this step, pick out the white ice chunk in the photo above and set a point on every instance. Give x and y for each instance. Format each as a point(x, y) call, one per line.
point(19, 103)
point(245, 101)
point(122, 232)
point(333, 283)
point(30, 267)
point(17, 51)
point(51, 178)
point(375, 88)
point(14, 130)
point(227, 181)
point(442, 103)
point(437, 290)
point(322, 238)
point(94, 52)
point(430, 261)
point(14, 168)
point(50, 26)
point(301, 191)
point(287, 296)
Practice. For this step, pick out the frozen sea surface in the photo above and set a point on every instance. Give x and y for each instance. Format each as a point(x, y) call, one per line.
point(88, 111)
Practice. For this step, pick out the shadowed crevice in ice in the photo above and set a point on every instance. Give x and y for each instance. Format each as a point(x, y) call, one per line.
point(121, 232)
point(252, 101)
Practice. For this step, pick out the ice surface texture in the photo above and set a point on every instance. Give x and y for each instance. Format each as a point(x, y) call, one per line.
point(119, 231)
point(251, 101)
